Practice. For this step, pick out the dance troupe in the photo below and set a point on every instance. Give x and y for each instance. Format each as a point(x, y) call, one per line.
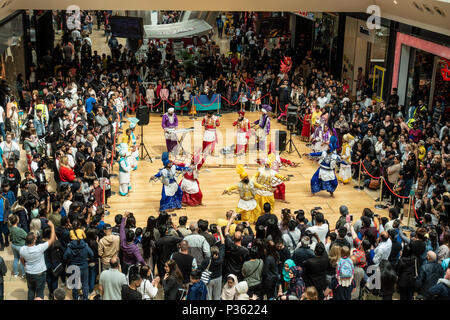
point(266, 186)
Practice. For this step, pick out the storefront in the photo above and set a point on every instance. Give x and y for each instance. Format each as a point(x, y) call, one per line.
point(366, 49)
point(12, 49)
point(417, 70)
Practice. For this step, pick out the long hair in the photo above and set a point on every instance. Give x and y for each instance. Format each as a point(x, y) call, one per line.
point(91, 237)
point(334, 255)
point(147, 239)
point(174, 271)
point(35, 226)
point(286, 217)
point(271, 250)
point(89, 168)
point(151, 224)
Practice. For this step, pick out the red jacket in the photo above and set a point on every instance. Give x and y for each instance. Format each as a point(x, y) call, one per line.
point(66, 174)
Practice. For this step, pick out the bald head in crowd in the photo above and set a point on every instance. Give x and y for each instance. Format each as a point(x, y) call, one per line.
point(237, 237)
point(431, 256)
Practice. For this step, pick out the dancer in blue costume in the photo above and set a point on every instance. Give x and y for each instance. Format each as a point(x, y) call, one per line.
point(325, 177)
point(171, 195)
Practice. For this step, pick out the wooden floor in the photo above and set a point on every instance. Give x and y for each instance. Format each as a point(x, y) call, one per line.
point(144, 198)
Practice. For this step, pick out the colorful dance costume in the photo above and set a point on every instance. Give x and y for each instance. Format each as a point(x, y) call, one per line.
point(171, 194)
point(345, 171)
point(210, 123)
point(266, 177)
point(264, 128)
point(243, 133)
point(192, 195)
point(247, 206)
point(124, 170)
point(325, 177)
point(170, 121)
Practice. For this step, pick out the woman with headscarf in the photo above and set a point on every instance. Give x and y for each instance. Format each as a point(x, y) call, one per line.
point(171, 195)
point(296, 285)
point(285, 279)
point(229, 289)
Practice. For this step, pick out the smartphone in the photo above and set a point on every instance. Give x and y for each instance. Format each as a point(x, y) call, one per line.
point(351, 217)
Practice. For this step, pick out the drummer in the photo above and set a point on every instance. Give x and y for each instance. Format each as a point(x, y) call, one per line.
point(169, 124)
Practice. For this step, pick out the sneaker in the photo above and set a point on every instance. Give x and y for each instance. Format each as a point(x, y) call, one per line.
point(15, 276)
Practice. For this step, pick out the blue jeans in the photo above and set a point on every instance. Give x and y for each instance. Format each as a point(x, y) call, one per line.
point(84, 274)
point(52, 281)
point(36, 285)
point(2, 130)
point(16, 252)
point(92, 277)
point(408, 185)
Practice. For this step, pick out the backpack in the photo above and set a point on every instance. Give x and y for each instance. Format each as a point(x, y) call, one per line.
point(345, 268)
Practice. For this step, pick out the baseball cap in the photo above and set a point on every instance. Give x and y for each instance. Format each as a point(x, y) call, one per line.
point(107, 226)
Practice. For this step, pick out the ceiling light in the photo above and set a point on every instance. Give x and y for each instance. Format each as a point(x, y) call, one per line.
point(395, 2)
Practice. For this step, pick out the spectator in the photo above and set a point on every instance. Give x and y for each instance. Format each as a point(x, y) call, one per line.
point(149, 285)
point(197, 290)
point(429, 275)
point(111, 281)
point(108, 246)
point(130, 291)
point(172, 281)
point(32, 257)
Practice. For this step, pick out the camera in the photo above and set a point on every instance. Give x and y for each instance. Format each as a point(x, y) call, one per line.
point(238, 217)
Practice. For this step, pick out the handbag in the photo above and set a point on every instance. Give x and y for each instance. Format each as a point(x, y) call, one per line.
point(56, 271)
point(374, 184)
point(206, 274)
point(104, 183)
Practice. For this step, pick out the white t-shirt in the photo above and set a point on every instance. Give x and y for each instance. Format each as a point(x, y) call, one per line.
point(322, 101)
point(34, 258)
point(321, 232)
point(147, 290)
point(1, 114)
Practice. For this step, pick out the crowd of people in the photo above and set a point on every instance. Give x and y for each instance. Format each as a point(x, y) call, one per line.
point(69, 111)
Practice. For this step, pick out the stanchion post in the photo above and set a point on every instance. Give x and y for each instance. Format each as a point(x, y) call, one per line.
point(218, 104)
point(411, 199)
point(164, 106)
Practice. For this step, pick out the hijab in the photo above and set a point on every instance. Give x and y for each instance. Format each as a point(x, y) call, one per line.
point(241, 291)
point(290, 264)
point(297, 285)
point(227, 292)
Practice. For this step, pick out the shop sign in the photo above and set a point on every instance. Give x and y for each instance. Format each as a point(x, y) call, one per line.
point(445, 69)
point(305, 14)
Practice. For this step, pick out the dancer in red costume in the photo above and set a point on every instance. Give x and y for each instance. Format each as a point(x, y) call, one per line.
point(243, 133)
point(210, 123)
point(192, 195)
